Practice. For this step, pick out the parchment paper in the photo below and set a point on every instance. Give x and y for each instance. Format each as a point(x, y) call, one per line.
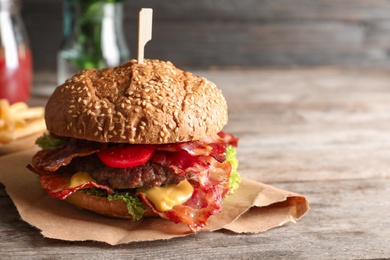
point(254, 207)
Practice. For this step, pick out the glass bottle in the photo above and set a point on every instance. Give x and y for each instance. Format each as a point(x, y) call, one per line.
point(93, 37)
point(15, 54)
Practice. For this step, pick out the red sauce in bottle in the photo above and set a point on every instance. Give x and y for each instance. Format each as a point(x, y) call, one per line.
point(15, 79)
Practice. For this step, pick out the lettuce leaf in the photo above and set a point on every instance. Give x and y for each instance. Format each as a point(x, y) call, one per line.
point(134, 204)
point(49, 142)
point(235, 178)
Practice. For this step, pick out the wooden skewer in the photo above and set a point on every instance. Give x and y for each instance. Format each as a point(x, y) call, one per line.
point(144, 31)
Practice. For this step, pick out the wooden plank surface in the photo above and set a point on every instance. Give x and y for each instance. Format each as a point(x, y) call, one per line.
point(302, 125)
point(250, 33)
point(319, 132)
point(344, 224)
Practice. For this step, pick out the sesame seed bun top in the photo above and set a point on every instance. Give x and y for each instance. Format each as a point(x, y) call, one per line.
point(149, 103)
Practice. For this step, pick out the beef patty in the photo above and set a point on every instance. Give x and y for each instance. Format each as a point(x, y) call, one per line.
point(145, 176)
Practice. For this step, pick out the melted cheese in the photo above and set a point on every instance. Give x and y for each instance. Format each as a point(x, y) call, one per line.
point(79, 179)
point(165, 198)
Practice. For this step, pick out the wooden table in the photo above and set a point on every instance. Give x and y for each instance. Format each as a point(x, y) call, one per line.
point(324, 133)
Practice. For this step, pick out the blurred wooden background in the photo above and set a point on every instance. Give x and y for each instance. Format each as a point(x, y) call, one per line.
point(201, 34)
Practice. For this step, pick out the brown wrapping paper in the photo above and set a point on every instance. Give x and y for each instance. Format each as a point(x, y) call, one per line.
point(254, 207)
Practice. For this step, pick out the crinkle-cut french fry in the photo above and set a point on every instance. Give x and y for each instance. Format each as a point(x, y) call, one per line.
point(30, 113)
point(5, 114)
point(17, 107)
point(4, 106)
point(30, 128)
point(18, 120)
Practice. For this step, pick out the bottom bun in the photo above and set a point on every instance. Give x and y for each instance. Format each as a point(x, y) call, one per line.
point(103, 206)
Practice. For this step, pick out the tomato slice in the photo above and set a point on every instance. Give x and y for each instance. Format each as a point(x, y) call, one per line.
point(125, 157)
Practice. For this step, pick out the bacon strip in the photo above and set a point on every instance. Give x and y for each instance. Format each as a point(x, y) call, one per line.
point(57, 185)
point(228, 138)
point(206, 199)
point(213, 145)
point(212, 178)
point(51, 160)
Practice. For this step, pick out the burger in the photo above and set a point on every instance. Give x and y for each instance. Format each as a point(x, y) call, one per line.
point(136, 141)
